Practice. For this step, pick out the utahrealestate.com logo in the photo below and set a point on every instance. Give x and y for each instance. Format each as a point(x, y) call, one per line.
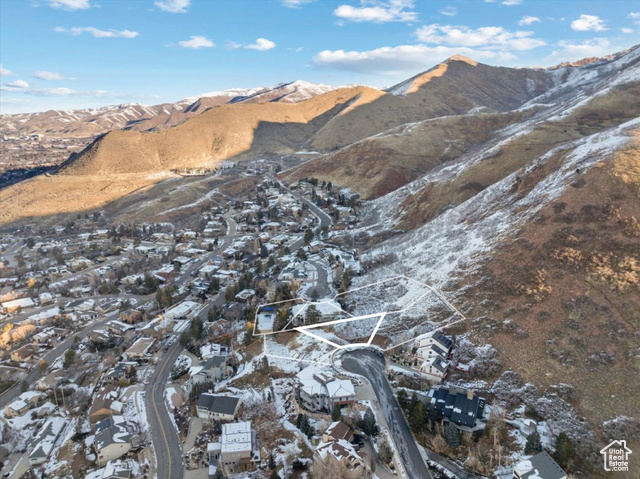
point(616, 456)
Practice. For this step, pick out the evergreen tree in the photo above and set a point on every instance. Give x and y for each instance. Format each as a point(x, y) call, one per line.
point(313, 315)
point(272, 461)
point(564, 449)
point(308, 236)
point(369, 423)
point(533, 445)
point(336, 413)
point(403, 400)
point(452, 435)
point(416, 417)
point(69, 358)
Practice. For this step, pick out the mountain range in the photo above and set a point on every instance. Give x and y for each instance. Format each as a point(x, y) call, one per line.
point(95, 121)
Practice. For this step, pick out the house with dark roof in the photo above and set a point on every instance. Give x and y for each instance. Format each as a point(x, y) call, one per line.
point(43, 444)
point(111, 443)
point(336, 446)
point(338, 430)
point(432, 353)
point(540, 466)
point(211, 407)
point(462, 407)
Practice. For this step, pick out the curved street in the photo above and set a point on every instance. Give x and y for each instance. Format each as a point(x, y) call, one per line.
point(371, 366)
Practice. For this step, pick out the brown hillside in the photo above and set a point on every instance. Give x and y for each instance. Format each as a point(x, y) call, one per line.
point(616, 107)
point(570, 284)
point(452, 88)
point(383, 163)
point(222, 132)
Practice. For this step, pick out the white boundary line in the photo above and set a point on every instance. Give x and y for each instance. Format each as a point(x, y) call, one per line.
point(305, 329)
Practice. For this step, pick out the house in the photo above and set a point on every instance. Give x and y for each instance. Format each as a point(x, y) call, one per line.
point(43, 443)
point(140, 349)
point(113, 470)
point(118, 327)
point(105, 404)
point(182, 310)
point(438, 339)
point(212, 349)
point(223, 408)
point(462, 407)
point(22, 354)
point(111, 443)
point(212, 370)
point(238, 448)
point(540, 466)
point(338, 430)
point(131, 316)
point(157, 328)
point(318, 390)
point(16, 408)
point(245, 295)
point(336, 446)
point(17, 304)
point(328, 309)
point(432, 352)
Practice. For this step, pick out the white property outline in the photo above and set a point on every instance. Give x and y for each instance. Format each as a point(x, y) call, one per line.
point(304, 329)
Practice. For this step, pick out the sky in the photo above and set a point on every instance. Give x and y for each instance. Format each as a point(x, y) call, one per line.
point(67, 54)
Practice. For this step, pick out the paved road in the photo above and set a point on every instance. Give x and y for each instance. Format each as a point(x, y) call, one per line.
point(371, 366)
point(15, 391)
point(166, 443)
point(322, 287)
point(325, 219)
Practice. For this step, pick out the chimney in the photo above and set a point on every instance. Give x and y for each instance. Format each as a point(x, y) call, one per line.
point(469, 394)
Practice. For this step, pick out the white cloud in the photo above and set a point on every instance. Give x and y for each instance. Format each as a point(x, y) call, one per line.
point(261, 44)
point(487, 37)
point(588, 23)
point(231, 45)
point(17, 85)
point(295, 3)
point(528, 20)
point(97, 33)
point(5, 73)
point(508, 3)
point(60, 91)
point(626, 30)
point(635, 16)
point(70, 4)
point(449, 11)
point(47, 75)
point(173, 6)
point(400, 59)
point(570, 51)
point(196, 41)
point(379, 12)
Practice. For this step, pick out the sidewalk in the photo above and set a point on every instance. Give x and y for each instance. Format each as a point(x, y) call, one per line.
point(365, 391)
point(195, 426)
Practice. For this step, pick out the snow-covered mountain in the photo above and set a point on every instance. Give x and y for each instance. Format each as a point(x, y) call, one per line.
point(91, 122)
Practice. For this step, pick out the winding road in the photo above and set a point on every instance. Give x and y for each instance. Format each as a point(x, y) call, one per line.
point(371, 366)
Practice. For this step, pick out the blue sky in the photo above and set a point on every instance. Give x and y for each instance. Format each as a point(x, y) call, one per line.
point(62, 54)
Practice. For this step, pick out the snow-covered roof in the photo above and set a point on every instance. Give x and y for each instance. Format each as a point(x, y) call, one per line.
point(340, 388)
